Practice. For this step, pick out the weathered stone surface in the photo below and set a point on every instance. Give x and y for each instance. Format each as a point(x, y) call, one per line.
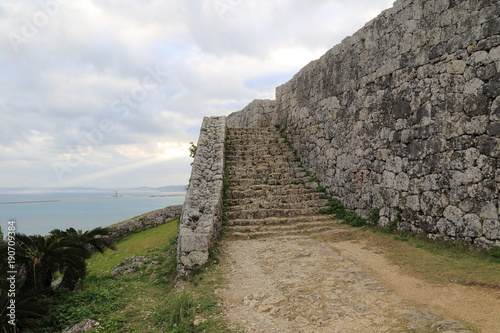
point(413, 111)
point(446, 227)
point(85, 326)
point(202, 211)
point(492, 229)
point(453, 214)
point(450, 326)
point(259, 113)
point(131, 265)
point(470, 225)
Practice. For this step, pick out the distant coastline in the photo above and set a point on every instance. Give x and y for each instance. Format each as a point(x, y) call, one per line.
point(27, 202)
point(169, 188)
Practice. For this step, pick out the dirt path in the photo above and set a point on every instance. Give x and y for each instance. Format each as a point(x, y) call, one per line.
point(300, 284)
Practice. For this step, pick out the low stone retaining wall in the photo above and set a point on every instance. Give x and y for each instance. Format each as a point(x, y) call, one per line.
point(143, 222)
point(202, 212)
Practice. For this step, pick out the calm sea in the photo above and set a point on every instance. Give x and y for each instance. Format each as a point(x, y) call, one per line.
point(39, 213)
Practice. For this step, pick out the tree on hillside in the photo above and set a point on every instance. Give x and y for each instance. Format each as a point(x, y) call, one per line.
point(39, 257)
point(91, 241)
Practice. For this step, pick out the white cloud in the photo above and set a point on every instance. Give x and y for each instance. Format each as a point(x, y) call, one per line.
point(70, 71)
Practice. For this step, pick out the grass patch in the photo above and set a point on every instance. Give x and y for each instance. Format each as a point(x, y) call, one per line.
point(134, 245)
point(438, 262)
point(494, 251)
point(178, 314)
point(195, 308)
point(99, 298)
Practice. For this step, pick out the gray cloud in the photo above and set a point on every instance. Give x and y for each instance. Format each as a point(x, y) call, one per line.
point(127, 83)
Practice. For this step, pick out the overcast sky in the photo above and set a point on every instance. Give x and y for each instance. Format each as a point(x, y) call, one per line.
point(109, 93)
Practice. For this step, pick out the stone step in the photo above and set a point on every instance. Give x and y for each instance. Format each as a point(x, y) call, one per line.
point(267, 172)
point(264, 187)
point(270, 166)
point(320, 204)
point(271, 181)
point(285, 231)
point(275, 220)
point(263, 158)
point(263, 213)
point(270, 172)
point(289, 226)
point(234, 140)
point(265, 176)
point(237, 191)
point(257, 144)
point(252, 129)
point(247, 134)
point(266, 161)
point(304, 197)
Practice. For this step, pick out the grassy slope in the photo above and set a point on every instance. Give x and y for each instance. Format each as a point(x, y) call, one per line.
point(145, 301)
point(134, 245)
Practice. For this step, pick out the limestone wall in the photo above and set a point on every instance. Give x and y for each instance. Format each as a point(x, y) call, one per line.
point(404, 116)
point(201, 215)
point(259, 113)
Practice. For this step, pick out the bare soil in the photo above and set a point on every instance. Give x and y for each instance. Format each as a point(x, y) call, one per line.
point(310, 284)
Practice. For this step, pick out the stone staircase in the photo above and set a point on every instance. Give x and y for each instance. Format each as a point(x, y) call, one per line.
point(267, 193)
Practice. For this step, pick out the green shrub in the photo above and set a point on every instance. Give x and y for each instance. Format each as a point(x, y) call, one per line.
point(321, 189)
point(337, 209)
point(393, 225)
point(96, 300)
point(313, 180)
point(494, 251)
point(354, 220)
point(374, 215)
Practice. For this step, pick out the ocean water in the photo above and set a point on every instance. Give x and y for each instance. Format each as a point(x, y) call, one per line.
point(41, 212)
